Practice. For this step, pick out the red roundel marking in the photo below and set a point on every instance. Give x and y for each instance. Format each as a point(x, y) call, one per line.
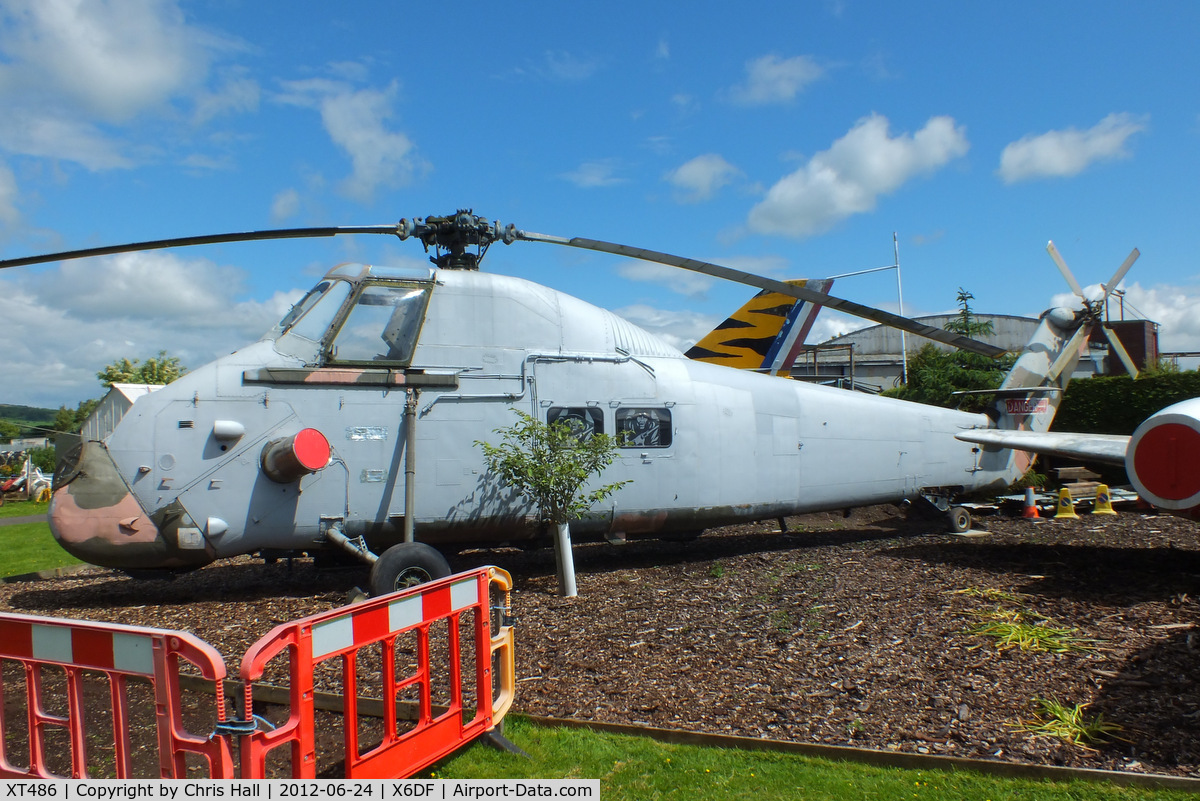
point(1161, 461)
point(311, 449)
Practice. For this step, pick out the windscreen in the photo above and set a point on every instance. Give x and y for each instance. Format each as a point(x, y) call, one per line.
point(382, 326)
point(311, 317)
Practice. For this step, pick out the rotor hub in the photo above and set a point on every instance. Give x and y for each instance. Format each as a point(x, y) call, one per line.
point(451, 237)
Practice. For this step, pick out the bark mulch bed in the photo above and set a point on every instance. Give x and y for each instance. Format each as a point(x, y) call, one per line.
point(845, 630)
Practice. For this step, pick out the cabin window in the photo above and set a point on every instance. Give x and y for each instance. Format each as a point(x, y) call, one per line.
point(644, 428)
point(584, 421)
point(382, 326)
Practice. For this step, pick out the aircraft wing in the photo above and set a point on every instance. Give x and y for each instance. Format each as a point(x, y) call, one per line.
point(1106, 448)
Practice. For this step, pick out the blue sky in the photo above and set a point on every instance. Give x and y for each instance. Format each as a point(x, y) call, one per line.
point(791, 139)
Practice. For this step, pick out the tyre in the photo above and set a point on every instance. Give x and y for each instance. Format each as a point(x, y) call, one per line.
point(406, 565)
point(960, 519)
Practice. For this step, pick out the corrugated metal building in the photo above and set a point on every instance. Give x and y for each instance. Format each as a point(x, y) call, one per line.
point(112, 408)
point(872, 357)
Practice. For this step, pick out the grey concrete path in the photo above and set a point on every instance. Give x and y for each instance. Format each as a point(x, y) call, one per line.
point(12, 521)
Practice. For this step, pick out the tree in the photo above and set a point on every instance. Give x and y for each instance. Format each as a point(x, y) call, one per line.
point(160, 369)
point(9, 431)
point(965, 323)
point(934, 375)
point(43, 459)
point(548, 464)
point(67, 421)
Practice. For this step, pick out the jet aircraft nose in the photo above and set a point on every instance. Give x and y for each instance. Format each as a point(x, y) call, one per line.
point(94, 517)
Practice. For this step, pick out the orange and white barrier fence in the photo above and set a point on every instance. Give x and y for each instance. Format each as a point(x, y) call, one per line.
point(92, 665)
point(391, 642)
point(438, 659)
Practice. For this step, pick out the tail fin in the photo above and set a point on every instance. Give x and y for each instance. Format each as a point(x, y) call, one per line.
point(767, 333)
point(1030, 395)
point(1033, 388)
point(1029, 398)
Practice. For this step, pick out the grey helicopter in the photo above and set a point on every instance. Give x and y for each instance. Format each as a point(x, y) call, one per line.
point(350, 427)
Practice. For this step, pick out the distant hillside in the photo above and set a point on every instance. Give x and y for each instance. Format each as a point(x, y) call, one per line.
point(27, 415)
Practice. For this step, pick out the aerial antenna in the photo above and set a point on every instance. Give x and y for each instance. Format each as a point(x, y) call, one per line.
point(899, 299)
point(900, 303)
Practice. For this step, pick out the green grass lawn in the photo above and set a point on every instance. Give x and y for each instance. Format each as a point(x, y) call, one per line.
point(631, 767)
point(22, 509)
point(29, 547)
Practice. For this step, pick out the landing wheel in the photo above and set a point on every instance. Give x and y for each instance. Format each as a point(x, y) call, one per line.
point(406, 565)
point(960, 519)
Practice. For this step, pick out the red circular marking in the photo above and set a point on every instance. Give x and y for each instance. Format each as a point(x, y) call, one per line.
point(1162, 459)
point(311, 449)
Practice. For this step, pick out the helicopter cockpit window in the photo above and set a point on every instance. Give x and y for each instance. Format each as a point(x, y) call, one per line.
point(382, 326)
point(584, 421)
point(310, 318)
point(304, 305)
point(644, 428)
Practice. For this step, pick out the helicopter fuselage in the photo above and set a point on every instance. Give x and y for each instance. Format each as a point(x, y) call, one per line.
point(305, 432)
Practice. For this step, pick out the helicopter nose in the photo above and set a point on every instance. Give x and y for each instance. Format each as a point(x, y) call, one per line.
point(94, 517)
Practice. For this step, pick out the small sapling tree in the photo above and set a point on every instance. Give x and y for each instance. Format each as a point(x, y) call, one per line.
point(549, 464)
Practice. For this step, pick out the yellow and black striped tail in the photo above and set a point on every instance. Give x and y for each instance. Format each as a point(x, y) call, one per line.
point(765, 334)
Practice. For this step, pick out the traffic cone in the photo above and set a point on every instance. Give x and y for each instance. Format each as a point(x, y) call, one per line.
point(1066, 505)
point(1103, 505)
point(1031, 510)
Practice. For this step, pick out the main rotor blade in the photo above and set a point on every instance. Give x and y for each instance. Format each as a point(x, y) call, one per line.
point(1122, 354)
point(790, 290)
point(210, 239)
point(1120, 273)
point(1065, 270)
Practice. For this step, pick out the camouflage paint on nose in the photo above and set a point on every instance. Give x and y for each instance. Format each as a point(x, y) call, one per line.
point(94, 517)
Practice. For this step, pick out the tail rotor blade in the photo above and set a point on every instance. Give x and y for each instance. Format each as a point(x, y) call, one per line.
point(1064, 269)
point(1120, 273)
point(1122, 354)
point(1069, 352)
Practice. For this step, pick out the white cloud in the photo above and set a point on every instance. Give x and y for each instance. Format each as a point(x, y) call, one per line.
point(694, 284)
point(1175, 308)
point(685, 328)
point(285, 204)
point(113, 58)
point(699, 179)
point(83, 315)
point(593, 174)
point(357, 122)
point(236, 94)
point(679, 328)
point(563, 66)
point(146, 285)
point(54, 135)
point(685, 282)
point(775, 266)
point(77, 76)
point(771, 79)
point(1058, 154)
point(848, 178)
point(830, 324)
point(8, 197)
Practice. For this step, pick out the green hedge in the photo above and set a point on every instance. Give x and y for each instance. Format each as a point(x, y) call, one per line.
point(1118, 404)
